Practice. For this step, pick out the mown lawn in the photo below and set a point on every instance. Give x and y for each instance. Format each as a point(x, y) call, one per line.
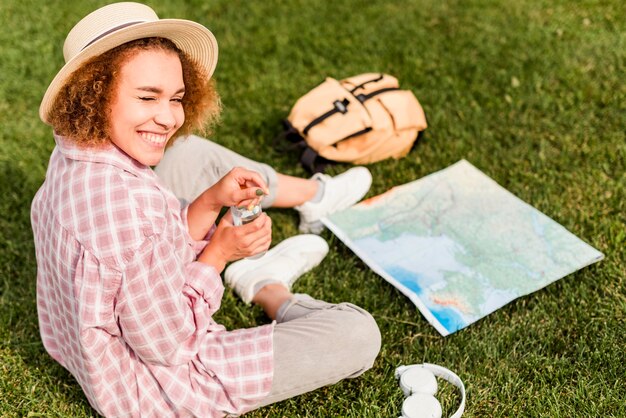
point(530, 92)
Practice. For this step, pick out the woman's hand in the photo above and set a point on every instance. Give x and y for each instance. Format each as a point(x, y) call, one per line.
point(230, 242)
point(240, 187)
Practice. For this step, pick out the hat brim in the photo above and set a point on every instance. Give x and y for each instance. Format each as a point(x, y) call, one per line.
point(191, 37)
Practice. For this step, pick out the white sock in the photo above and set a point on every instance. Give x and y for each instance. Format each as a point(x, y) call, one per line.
point(319, 193)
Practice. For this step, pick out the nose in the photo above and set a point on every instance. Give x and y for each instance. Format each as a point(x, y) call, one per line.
point(166, 116)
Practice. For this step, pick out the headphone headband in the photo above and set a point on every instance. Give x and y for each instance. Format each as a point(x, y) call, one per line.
point(439, 371)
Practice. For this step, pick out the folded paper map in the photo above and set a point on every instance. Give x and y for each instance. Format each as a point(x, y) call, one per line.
point(459, 245)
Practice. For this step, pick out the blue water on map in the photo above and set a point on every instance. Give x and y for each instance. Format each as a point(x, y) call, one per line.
point(449, 318)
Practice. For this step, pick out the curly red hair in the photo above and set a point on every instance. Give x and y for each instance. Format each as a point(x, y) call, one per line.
point(82, 107)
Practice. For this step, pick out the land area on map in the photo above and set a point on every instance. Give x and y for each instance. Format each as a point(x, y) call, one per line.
point(459, 245)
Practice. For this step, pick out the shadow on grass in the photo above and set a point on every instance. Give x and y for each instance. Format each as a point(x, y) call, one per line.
point(27, 368)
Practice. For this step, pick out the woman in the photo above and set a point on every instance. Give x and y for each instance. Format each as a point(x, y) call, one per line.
point(127, 280)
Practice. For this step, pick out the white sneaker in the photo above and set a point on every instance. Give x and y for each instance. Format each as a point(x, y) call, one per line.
point(340, 192)
point(283, 264)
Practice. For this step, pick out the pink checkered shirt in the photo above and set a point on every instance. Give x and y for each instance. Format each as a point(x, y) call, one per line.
point(122, 302)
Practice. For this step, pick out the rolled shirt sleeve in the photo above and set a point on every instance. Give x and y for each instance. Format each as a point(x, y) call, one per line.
point(197, 246)
point(165, 304)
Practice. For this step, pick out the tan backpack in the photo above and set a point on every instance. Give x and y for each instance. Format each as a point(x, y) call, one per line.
point(360, 120)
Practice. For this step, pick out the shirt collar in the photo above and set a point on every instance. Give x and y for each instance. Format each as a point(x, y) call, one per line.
point(105, 154)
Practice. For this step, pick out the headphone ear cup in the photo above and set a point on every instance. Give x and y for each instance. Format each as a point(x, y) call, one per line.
point(417, 379)
point(421, 405)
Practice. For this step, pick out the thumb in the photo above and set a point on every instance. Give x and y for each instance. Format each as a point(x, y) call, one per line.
point(250, 195)
point(262, 186)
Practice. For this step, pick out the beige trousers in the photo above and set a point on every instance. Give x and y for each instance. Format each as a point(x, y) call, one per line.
point(318, 344)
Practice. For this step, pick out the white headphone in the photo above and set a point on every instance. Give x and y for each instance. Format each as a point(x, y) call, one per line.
point(419, 384)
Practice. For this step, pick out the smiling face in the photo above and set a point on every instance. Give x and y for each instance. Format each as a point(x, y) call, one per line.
point(147, 107)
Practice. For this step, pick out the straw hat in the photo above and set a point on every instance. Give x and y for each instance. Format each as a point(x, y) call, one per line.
point(118, 23)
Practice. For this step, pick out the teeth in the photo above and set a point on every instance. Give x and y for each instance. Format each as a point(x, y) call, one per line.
point(157, 139)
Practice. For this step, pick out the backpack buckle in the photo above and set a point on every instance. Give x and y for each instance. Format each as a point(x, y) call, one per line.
point(341, 105)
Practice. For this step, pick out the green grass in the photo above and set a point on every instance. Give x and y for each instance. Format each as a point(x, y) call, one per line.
point(530, 92)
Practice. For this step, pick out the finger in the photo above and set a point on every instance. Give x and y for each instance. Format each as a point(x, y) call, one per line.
point(249, 245)
point(262, 243)
point(262, 222)
point(250, 196)
point(260, 232)
point(248, 178)
point(258, 229)
point(256, 179)
point(260, 185)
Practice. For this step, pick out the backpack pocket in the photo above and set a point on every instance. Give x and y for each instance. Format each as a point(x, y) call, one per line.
point(397, 118)
point(404, 110)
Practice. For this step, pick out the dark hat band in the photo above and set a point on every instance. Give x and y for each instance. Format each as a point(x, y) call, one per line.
point(125, 25)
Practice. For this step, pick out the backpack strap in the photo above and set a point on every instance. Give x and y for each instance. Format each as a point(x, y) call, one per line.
point(364, 97)
point(355, 88)
point(312, 161)
point(290, 133)
point(339, 106)
point(289, 139)
point(309, 158)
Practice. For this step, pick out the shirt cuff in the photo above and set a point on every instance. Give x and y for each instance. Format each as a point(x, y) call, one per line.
point(206, 282)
